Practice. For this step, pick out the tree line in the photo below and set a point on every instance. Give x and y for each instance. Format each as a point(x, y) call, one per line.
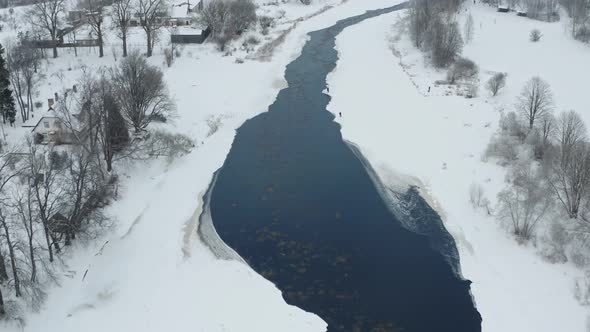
point(548, 178)
point(51, 195)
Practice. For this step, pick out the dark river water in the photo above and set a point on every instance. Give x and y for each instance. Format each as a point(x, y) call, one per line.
point(299, 205)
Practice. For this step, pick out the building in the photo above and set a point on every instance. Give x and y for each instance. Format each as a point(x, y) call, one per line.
point(189, 36)
point(50, 129)
point(77, 17)
point(503, 9)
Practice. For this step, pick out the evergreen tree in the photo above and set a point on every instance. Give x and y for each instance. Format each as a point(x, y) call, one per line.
point(6, 101)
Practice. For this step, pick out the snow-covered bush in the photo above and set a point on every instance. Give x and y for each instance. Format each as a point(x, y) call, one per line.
point(525, 200)
point(555, 243)
point(583, 34)
point(253, 40)
point(169, 57)
point(505, 144)
point(582, 289)
point(496, 83)
point(535, 35)
point(463, 69)
point(468, 28)
point(266, 22)
point(477, 197)
point(472, 90)
point(163, 144)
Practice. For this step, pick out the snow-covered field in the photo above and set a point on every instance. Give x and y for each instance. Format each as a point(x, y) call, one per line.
point(406, 132)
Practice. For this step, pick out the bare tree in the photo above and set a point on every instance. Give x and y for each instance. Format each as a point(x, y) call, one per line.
point(95, 13)
point(548, 128)
point(579, 13)
point(469, 29)
point(86, 191)
point(141, 92)
point(150, 11)
point(571, 132)
point(496, 83)
point(524, 202)
point(444, 41)
point(535, 100)
point(8, 172)
point(23, 62)
point(45, 14)
point(24, 206)
point(113, 135)
point(242, 16)
point(11, 244)
point(421, 13)
point(121, 13)
point(216, 15)
point(47, 191)
point(571, 175)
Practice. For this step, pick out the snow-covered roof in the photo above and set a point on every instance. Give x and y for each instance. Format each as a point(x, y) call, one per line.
point(49, 114)
point(179, 9)
point(187, 30)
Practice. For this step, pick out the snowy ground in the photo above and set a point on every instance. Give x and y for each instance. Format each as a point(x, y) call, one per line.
point(439, 139)
point(151, 272)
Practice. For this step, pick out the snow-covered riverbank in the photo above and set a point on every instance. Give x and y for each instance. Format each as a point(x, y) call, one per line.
point(440, 141)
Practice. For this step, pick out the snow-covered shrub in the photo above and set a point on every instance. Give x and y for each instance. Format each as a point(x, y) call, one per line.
point(214, 123)
point(505, 144)
point(477, 197)
point(164, 144)
point(468, 28)
point(583, 34)
point(169, 57)
point(582, 289)
point(535, 35)
point(463, 69)
point(525, 200)
point(266, 22)
point(555, 243)
point(252, 40)
point(496, 83)
point(58, 160)
point(472, 90)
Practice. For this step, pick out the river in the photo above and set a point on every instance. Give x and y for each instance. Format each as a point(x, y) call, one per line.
point(299, 205)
